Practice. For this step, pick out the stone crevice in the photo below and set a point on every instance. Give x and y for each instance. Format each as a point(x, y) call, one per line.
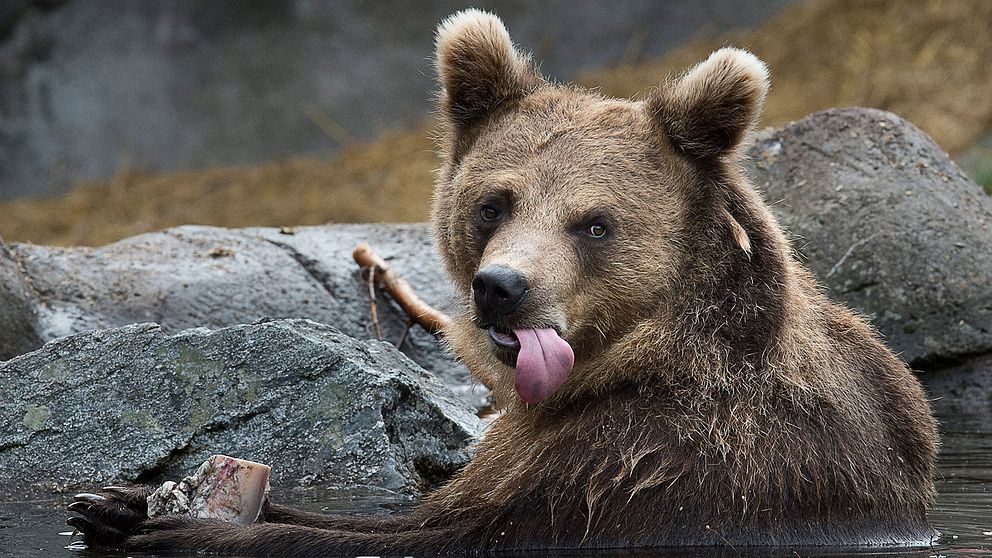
point(307, 264)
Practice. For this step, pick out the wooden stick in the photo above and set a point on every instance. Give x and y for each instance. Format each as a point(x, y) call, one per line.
point(406, 330)
point(373, 305)
point(388, 280)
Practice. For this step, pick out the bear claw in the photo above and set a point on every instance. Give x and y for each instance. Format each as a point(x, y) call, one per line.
point(119, 491)
point(80, 523)
point(89, 498)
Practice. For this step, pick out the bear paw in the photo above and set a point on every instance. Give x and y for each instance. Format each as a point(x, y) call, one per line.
point(107, 519)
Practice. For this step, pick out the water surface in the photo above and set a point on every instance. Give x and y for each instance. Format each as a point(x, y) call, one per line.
point(963, 514)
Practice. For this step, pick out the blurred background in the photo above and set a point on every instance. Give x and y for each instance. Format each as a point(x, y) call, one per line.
point(124, 116)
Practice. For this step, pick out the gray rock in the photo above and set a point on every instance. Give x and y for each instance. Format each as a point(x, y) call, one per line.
point(890, 225)
point(961, 394)
point(134, 405)
point(17, 308)
point(213, 277)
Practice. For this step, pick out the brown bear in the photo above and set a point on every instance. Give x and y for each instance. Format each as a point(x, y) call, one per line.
point(669, 374)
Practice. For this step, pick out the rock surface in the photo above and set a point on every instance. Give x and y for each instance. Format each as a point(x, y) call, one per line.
point(17, 309)
point(213, 277)
point(962, 393)
point(134, 405)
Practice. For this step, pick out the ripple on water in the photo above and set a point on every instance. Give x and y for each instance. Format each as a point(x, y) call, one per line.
point(963, 515)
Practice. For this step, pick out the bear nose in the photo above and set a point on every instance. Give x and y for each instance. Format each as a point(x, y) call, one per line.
point(498, 291)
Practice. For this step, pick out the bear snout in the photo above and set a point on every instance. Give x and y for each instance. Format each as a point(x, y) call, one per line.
point(498, 291)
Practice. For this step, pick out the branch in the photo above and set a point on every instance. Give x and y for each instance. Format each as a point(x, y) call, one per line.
point(369, 277)
point(388, 280)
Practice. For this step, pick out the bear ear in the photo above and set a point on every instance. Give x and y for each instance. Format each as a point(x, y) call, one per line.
point(707, 111)
point(479, 67)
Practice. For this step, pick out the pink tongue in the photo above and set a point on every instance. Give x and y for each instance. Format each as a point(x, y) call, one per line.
point(543, 363)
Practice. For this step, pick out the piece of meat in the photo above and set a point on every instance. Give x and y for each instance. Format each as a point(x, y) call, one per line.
point(222, 487)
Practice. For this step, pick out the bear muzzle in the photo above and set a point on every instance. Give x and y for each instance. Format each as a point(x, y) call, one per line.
point(542, 360)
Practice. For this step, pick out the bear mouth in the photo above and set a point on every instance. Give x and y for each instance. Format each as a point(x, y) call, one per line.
point(540, 357)
point(505, 344)
point(504, 338)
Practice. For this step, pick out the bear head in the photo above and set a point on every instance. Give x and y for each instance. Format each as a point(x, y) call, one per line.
point(573, 224)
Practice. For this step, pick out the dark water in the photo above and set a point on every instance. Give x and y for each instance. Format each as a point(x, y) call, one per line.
point(963, 514)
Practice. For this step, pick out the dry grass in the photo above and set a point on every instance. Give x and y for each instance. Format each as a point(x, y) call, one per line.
point(928, 60)
point(389, 180)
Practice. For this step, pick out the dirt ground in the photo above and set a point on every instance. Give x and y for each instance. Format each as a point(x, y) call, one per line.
point(927, 60)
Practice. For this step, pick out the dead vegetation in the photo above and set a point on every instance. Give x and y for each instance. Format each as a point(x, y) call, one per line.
point(386, 181)
point(379, 273)
point(929, 61)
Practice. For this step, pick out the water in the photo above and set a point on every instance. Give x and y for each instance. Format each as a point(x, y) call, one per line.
point(963, 514)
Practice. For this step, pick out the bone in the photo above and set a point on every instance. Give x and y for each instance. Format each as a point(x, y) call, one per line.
point(222, 488)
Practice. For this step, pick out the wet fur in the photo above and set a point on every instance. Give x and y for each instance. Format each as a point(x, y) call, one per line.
point(718, 397)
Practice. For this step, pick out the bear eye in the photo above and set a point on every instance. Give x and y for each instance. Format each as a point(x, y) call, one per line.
point(596, 230)
point(489, 212)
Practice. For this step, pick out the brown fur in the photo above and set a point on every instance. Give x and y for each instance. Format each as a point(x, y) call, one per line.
point(718, 398)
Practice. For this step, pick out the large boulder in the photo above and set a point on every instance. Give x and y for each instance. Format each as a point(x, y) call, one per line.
point(135, 405)
point(214, 277)
point(890, 225)
point(18, 320)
